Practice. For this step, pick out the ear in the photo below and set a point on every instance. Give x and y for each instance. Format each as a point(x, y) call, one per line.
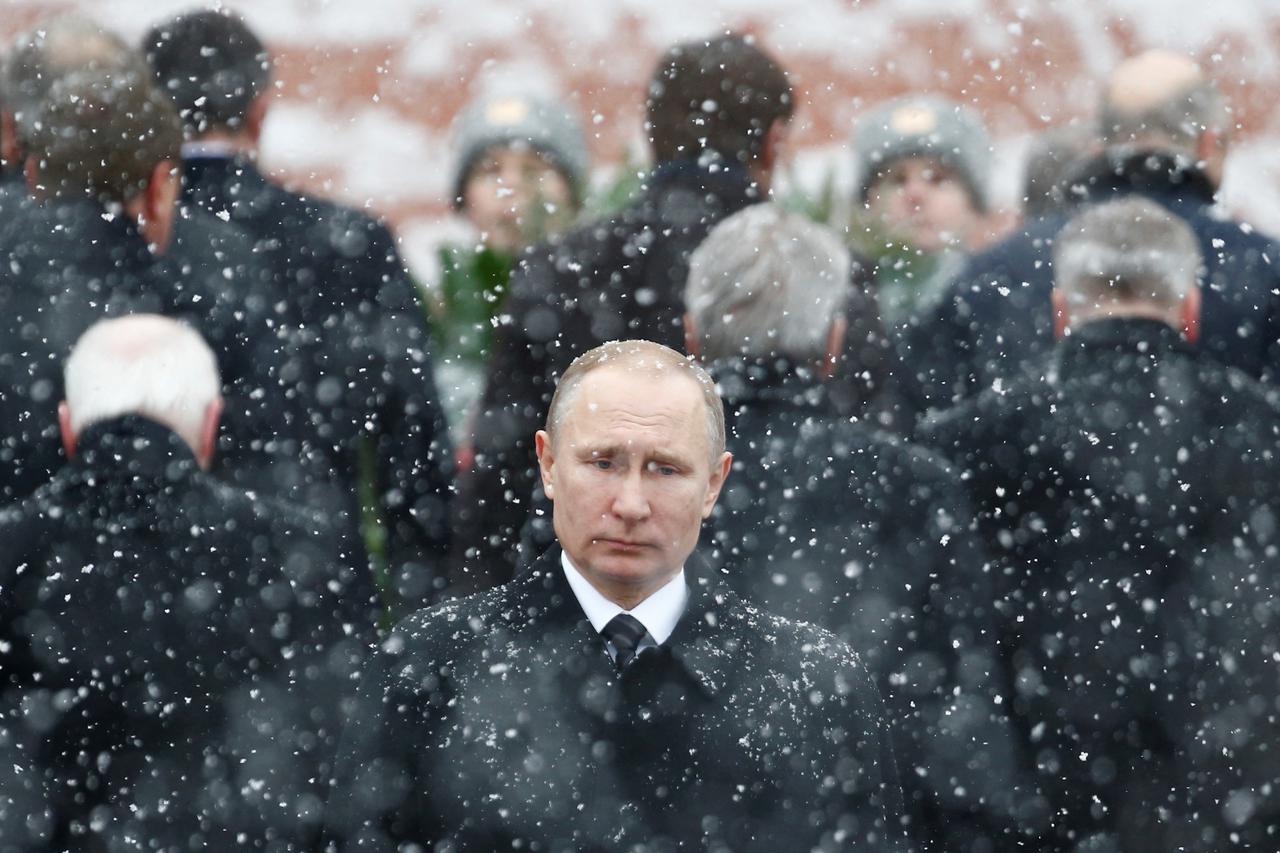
point(160, 204)
point(64, 426)
point(835, 346)
point(256, 116)
point(31, 169)
point(1211, 150)
point(1191, 305)
point(1061, 317)
point(719, 473)
point(209, 434)
point(692, 346)
point(546, 462)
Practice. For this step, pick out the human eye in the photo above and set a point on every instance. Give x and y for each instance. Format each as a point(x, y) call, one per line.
point(663, 469)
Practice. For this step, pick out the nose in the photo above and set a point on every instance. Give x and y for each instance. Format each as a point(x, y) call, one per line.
point(630, 502)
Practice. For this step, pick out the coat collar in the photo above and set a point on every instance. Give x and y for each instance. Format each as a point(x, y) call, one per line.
point(705, 642)
point(1161, 176)
point(1142, 340)
point(728, 184)
point(137, 447)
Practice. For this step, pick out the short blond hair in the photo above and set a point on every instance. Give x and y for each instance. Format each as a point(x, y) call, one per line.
point(641, 355)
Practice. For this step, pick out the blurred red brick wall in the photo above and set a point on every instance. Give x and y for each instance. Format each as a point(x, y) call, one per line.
point(368, 88)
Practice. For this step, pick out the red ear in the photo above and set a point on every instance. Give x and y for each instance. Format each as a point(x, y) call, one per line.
point(64, 425)
point(1061, 317)
point(209, 434)
point(1191, 316)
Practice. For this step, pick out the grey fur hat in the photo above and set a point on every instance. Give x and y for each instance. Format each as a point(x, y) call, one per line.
point(503, 118)
point(924, 126)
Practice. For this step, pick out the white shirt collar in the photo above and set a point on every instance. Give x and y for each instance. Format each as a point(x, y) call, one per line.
point(658, 613)
point(213, 149)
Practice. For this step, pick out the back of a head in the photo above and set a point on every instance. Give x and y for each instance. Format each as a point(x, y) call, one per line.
point(638, 355)
point(211, 65)
point(43, 56)
point(721, 95)
point(100, 135)
point(145, 365)
point(767, 284)
point(1159, 100)
point(1125, 255)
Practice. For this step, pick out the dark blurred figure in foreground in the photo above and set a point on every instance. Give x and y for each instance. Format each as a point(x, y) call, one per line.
point(1133, 493)
point(615, 695)
point(827, 521)
point(206, 272)
point(174, 652)
point(360, 405)
point(622, 278)
point(103, 161)
point(1166, 132)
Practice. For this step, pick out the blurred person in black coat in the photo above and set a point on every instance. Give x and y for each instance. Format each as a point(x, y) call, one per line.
point(174, 652)
point(1132, 494)
point(624, 277)
point(104, 177)
point(615, 695)
point(206, 271)
point(1166, 132)
point(361, 404)
point(826, 520)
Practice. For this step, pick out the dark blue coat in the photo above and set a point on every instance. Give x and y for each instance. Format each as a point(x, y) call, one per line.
point(998, 321)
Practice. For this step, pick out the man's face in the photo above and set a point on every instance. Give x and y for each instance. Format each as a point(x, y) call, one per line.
point(925, 203)
point(631, 477)
point(515, 197)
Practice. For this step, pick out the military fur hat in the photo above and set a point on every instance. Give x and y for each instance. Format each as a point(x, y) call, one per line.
point(924, 126)
point(501, 119)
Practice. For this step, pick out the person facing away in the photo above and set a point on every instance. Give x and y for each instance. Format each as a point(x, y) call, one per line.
point(828, 521)
point(619, 278)
point(206, 271)
point(616, 695)
point(1131, 493)
point(359, 408)
point(1166, 133)
point(101, 149)
point(174, 651)
point(520, 170)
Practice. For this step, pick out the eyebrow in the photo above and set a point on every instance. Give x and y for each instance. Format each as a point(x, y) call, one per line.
point(616, 449)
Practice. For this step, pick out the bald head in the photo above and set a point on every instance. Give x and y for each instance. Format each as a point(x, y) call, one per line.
point(644, 358)
point(144, 365)
point(1161, 100)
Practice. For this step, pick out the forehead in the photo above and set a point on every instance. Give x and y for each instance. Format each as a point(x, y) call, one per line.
point(662, 405)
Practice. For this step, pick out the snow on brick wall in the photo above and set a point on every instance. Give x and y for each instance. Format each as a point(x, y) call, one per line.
point(368, 88)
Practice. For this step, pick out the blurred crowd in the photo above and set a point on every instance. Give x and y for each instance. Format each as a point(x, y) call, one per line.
point(1027, 471)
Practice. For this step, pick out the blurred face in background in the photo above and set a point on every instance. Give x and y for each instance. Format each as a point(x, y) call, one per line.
point(925, 204)
point(516, 197)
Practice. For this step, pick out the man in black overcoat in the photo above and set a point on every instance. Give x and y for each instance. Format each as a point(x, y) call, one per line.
point(617, 695)
point(66, 245)
point(623, 277)
point(1167, 133)
point(360, 405)
point(174, 653)
point(826, 520)
point(1131, 496)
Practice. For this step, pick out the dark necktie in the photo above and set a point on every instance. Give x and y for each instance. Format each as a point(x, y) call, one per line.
point(625, 632)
